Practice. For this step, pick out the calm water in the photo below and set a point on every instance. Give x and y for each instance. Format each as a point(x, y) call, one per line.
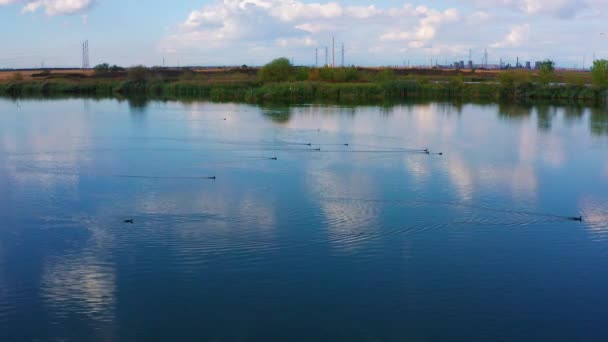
point(374, 240)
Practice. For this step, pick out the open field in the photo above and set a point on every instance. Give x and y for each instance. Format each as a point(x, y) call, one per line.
point(29, 74)
point(235, 74)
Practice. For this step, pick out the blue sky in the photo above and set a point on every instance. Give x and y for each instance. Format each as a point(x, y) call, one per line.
point(234, 32)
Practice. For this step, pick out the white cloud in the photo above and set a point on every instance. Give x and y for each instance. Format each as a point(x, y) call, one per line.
point(564, 9)
point(430, 21)
point(263, 29)
point(307, 41)
point(52, 7)
point(516, 37)
point(363, 12)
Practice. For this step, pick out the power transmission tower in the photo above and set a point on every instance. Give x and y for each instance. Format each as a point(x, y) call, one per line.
point(333, 52)
point(343, 55)
point(85, 54)
point(326, 57)
point(485, 57)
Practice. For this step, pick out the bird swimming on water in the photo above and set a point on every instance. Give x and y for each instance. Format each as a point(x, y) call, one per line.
point(130, 221)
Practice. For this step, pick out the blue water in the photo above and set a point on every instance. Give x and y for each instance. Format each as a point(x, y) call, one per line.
point(322, 222)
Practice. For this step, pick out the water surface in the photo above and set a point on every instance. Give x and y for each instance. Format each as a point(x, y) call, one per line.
point(308, 222)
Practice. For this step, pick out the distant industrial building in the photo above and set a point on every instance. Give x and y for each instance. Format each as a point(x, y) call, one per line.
point(459, 65)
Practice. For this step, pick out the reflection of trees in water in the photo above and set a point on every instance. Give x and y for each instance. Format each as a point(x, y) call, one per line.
point(544, 116)
point(573, 113)
point(598, 121)
point(138, 104)
point(514, 111)
point(277, 114)
point(448, 108)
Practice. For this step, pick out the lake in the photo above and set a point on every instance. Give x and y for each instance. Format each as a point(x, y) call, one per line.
point(423, 221)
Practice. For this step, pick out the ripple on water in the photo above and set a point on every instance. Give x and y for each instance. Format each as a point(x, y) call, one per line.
point(595, 214)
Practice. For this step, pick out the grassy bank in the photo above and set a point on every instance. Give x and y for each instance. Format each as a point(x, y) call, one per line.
point(306, 91)
point(280, 81)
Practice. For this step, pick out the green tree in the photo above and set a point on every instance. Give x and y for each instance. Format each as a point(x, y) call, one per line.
point(116, 68)
point(599, 73)
point(279, 70)
point(546, 72)
point(103, 68)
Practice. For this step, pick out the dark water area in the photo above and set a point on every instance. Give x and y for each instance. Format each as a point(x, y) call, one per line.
point(302, 223)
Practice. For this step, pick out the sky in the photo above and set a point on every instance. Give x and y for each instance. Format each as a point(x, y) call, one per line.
point(253, 32)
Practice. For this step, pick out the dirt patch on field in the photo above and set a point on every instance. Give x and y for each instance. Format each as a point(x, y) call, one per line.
point(29, 74)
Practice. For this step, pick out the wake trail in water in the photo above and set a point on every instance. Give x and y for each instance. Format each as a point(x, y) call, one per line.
point(460, 204)
point(78, 174)
point(164, 177)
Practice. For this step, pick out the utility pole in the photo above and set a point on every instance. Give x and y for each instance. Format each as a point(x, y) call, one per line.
point(326, 57)
point(584, 60)
point(333, 52)
point(316, 57)
point(485, 56)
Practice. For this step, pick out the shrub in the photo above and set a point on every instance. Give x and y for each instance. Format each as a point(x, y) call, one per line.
point(575, 79)
point(514, 78)
point(326, 74)
point(599, 74)
point(138, 73)
point(279, 70)
point(346, 75)
point(103, 68)
point(546, 74)
point(116, 68)
point(302, 73)
point(314, 74)
point(17, 77)
point(385, 75)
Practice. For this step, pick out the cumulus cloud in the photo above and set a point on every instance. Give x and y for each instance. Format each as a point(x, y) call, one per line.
point(564, 9)
point(259, 26)
point(516, 37)
point(52, 7)
point(430, 20)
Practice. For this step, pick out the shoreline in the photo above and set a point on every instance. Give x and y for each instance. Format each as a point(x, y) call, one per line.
point(285, 83)
point(306, 91)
